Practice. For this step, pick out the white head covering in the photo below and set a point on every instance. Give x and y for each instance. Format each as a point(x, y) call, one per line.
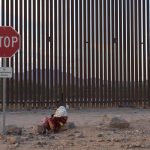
point(61, 112)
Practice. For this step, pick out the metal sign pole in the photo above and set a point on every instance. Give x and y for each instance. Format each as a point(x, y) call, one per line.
point(4, 99)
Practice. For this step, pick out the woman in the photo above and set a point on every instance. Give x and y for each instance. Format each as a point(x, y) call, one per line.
point(57, 120)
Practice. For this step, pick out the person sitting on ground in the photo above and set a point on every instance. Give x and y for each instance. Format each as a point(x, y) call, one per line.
point(57, 120)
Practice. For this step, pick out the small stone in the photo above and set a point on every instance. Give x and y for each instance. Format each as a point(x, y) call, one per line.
point(77, 131)
point(71, 135)
point(72, 138)
point(30, 135)
point(145, 146)
point(70, 143)
point(41, 144)
point(70, 125)
point(101, 140)
point(13, 139)
point(80, 135)
point(116, 140)
point(91, 141)
point(1, 137)
point(100, 135)
point(16, 145)
point(23, 139)
point(52, 137)
point(38, 129)
point(118, 122)
point(13, 130)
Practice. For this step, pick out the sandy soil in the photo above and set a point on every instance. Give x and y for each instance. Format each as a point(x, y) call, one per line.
point(92, 131)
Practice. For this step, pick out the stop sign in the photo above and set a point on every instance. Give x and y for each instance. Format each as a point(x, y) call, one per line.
point(9, 41)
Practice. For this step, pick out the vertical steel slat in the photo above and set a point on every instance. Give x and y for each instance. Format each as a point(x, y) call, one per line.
point(132, 53)
point(85, 80)
point(147, 59)
point(109, 54)
point(79, 51)
point(21, 53)
point(16, 56)
point(12, 59)
point(34, 53)
point(25, 52)
point(89, 59)
point(117, 50)
point(12, 12)
point(124, 52)
point(47, 53)
point(30, 89)
point(51, 52)
point(3, 12)
point(72, 52)
point(97, 60)
point(113, 60)
point(39, 53)
point(93, 52)
point(7, 13)
point(64, 50)
point(55, 51)
point(144, 44)
point(140, 52)
point(60, 54)
point(77, 57)
point(68, 51)
point(128, 51)
point(1, 81)
point(43, 56)
point(136, 88)
point(148, 46)
point(121, 33)
point(101, 55)
point(105, 53)
point(144, 55)
point(7, 60)
point(81, 80)
point(136, 42)
point(140, 40)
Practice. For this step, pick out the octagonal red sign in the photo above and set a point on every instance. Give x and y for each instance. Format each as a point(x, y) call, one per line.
point(9, 41)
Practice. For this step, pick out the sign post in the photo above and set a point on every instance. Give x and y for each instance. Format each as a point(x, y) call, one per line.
point(9, 45)
point(4, 100)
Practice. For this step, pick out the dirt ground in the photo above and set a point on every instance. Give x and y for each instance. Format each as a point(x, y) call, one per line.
point(92, 131)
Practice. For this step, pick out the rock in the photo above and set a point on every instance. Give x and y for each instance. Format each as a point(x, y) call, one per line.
point(118, 122)
point(135, 145)
point(41, 144)
point(145, 146)
point(70, 125)
point(71, 135)
point(67, 106)
point(52, 137)
point(77, 131)
point(13, 139)
point(23, 139)
point(1, 137)
point(30, 135)
point(38, 129)
point(13, 130)
point(100, 135)
point(80, 135)
point(16, 145)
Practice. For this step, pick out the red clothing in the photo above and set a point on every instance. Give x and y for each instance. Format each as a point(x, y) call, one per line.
point(54, 123)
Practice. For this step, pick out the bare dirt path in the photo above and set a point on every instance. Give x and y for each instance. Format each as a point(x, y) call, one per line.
point(92, 131)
